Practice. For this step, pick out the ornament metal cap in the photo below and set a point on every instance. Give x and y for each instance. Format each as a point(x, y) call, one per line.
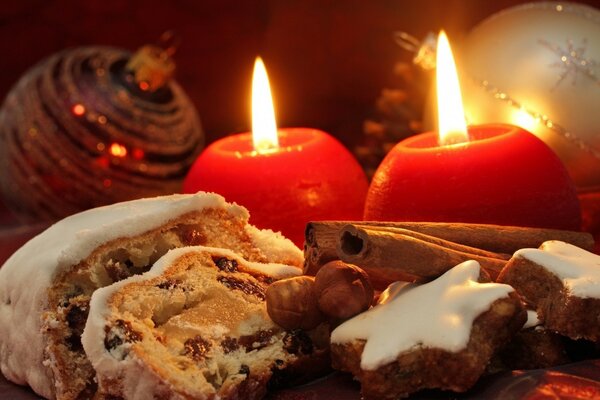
point(152, 66)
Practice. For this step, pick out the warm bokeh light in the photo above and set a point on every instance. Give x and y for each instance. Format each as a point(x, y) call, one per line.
point(117, 150)
point(138, 154)
point(452, 127)
point(78, 109)
point(264, 127)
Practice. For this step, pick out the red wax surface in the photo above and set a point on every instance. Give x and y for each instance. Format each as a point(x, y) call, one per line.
point(504, 175)
point(310, 177)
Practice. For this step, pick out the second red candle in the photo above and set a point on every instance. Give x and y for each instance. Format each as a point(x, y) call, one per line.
point(504, 175)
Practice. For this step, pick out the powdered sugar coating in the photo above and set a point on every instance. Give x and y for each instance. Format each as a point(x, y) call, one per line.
point(29, 272)
point(138, 383)
point(438, 314)
point(274, 245)
point(578, 269)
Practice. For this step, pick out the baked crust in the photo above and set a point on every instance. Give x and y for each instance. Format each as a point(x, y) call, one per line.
point(530, 348)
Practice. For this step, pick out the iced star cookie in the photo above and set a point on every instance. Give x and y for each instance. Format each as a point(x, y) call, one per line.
point(437, 335)
point(562, 282)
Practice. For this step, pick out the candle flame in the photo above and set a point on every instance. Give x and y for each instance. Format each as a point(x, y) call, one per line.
point(452, 127)
point(264, 127)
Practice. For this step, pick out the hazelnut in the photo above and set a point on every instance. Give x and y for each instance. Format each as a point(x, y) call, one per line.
point(292, 303)
point(343, 290)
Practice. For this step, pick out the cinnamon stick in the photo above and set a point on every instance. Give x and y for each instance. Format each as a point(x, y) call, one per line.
point(392, 255)
point(320, 240)
point(441, 242)
point(495, 238)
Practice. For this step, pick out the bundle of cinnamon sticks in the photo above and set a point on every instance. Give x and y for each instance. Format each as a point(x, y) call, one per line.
point(416, 251)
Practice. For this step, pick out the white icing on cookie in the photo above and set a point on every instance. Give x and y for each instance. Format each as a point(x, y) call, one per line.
point(578, 269)
point(438, 314)
point(27, 274)
point(532, 319)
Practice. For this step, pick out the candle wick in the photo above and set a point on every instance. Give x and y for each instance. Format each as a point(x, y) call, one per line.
point(453, 137)
point(265, 145)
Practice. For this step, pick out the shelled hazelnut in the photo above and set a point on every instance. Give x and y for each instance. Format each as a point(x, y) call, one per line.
point(342, 290)
point(292, 303)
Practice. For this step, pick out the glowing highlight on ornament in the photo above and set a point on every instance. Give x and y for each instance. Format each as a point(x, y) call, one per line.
point(264, 127)
point(542, 118)
point(78, 109)
point(117, 150)
point(452, 127)
point(138, 154)
point(524, 119)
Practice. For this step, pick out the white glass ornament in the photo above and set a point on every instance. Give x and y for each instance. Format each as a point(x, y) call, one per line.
point(537, 65)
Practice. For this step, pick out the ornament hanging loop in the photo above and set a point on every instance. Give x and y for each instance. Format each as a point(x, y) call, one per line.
point(152, 66)
point(407, 41)
point(169, 41)
point(424, 50)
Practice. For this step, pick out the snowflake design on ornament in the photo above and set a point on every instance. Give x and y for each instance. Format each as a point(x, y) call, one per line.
point(572, 61)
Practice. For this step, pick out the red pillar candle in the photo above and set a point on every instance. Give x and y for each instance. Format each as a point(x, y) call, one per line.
point(495, 174)
point(310, 177)
point(504, 176)
point(307, 176)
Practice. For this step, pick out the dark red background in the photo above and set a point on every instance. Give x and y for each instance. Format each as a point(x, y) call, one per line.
point(328, 59)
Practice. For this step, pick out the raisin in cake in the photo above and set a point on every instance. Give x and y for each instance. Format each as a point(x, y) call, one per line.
point(437, 335)
point(195, 326)
point(562, 282)
point(46, 285)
